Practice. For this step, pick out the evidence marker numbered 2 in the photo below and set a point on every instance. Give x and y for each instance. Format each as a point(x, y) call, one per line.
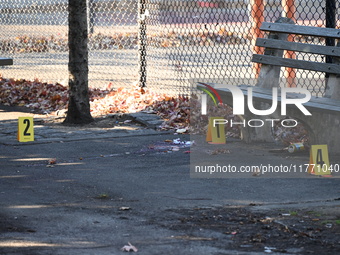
point(25, 129)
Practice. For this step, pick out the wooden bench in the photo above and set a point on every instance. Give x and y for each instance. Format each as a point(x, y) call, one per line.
point(324, 123)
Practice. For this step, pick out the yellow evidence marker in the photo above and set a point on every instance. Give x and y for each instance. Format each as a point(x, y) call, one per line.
point(319, 160)
point(25, 129)
point(216, 133)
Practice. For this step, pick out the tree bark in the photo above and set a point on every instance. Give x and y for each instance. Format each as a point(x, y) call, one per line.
point(79, 104)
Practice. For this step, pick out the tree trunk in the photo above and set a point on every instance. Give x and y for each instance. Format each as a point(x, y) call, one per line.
point(79, 104)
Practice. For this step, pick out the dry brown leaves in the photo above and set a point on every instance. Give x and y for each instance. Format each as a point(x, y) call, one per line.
point(48, 98)
point(199, 122)
point(33, 94)
point(286, 136)
point(126, 40)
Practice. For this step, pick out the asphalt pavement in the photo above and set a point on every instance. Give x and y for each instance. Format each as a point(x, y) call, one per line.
point(91, 190)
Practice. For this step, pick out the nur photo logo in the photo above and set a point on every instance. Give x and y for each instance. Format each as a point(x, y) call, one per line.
point(213, 95)
point(239, 100)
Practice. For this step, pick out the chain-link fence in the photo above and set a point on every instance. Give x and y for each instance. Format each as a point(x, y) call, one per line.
point(213, 40)
point(183, 41)
point(34, 34)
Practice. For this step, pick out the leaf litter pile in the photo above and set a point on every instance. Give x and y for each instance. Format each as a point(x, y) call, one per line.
point(121, 40)
point(177, 112)
point(50, 98)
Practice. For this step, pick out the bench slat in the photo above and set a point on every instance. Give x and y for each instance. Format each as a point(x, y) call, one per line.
point(300, 47)
point(315, 104)
point(6, 61)
point(294, 63)
point(265, 95)
point(300, 30)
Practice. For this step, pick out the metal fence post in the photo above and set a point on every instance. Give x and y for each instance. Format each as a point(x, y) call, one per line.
point(289, 10)
point(142, 13)
point(257, 17)
point(330, 22)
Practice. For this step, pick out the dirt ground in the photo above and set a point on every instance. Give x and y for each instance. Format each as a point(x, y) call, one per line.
point(300, 231)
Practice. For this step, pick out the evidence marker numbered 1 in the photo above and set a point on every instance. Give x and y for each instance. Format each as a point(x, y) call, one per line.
point(25, 129)
point(216, 133)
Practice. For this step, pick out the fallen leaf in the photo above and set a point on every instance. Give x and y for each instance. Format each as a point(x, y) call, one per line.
point(52, 161)
point(194, 238)
point(181, 130)
point(257, 172)
point(175, 148)
point(220, 151)
point(129, 248)
point(103, 196)
point(124, 208)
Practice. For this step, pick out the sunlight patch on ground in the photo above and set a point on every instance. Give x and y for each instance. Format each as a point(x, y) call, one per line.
point(68, 164)
point(12, 176)
point(18, 244)
point(23, 244)
point(70, 180)
point(31, 159)
point(29, 206)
